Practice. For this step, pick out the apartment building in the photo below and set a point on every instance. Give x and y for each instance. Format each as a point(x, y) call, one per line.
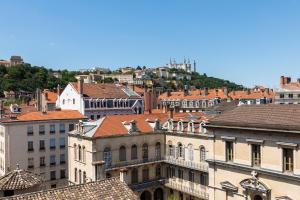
point(36, 141)
point(288, 92)
point(159, 155)
point(97, 100)
point(255, 153)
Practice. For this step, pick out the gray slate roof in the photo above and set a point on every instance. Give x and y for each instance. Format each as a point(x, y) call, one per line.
point(108, 189)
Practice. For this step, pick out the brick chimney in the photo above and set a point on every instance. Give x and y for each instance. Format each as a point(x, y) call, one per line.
point(80, 85)
point(58, 89)
point(282, 80)
point(168, 92)
point(124, 175)
point(225, 89)
point(185, 91)
point(147, 100)
point(205, 91)
point(171, 113)
point(38, 99)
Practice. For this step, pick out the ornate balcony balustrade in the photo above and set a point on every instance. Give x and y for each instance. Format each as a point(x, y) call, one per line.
point(202, 166)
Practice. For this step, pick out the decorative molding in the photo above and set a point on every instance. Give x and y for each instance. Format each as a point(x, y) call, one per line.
point(287, 144)
point(254, 141)
point(253, 184)
point(228, 138)
point(226, 185)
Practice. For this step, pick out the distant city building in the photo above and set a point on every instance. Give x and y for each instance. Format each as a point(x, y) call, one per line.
point(37, 141)
point(94, 78)
point(14, 60)
point(186, 65)
point(97, 100)
point(288, 92)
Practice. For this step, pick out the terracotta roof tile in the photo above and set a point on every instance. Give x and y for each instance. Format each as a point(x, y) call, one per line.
point(108, 189)
point(52, 96)
point(195, 95)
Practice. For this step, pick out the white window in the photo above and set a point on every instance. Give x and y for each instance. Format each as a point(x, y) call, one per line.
point(191, 152)
point(202, 154)
point(107, 156)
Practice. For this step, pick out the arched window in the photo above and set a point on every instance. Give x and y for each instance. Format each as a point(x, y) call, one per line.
point(145, 174)
point(191, 152)
point(122, 153)
point(75, 151)
point(170, 149)
point(157, 150)
point(75, 175)
point(80, 181)
point(180, 126)
point(202, 154)
point(107, 157)
point(202, 129)
point(134, 152)
point(84, 177)
point(134, 176)
point(83, 153)
point(79, 153)
point(191, 127)
point(145, 151)
point(180, 150)
point(170, 126)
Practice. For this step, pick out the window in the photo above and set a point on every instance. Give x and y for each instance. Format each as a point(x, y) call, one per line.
point(79, 176)
point(62, 142)
point(134, 152)
point(64, 101)
point(180, 150)
point(191, 152)
point(29, 130)
point(145, 151)
point(170, 149)
point(107, 157)
point(191, 127)
point(62, 159)
point(79, 153)
point(75, 175)
point(42, 129)
point(158, 171)
point(180, 126)
point(256, 155)
point(84, 177)
point(145, 174)
point(202, 154)
point(291, 96)
point(52, 160)
point(62, 128)
point(73, 101)
point(180, 173)
point(30, 163)
point(52, 143)
point(157, 150)
point(83, 154)
point(42, 144)
point(30, 145)
point(52, 128)
point(229, 150)
point(134, 176)
point(42, 161)
point(53, 175)
point(71, 127)
point(202, 129)
point(75, 151)
point(191, 176)
point(122, 153)
point(98, 116)
point(92, 117)
point(281, 96)
point(288, 160)
point(62, 173)
point(204, 179)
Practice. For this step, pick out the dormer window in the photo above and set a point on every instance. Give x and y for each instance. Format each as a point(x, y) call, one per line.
point(133, 127)
point(170, 125)
point(191, 127)
point(202, 129)
point(180, 126)
point(157, 124)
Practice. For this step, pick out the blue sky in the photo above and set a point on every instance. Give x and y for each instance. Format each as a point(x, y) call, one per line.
point(249, 42)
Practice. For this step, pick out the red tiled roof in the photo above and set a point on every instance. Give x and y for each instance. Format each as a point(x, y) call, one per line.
point(252, 95)
point(104, 90)
point(291, 86)
point(49, 115)
point(52, 96)
point(106, 128)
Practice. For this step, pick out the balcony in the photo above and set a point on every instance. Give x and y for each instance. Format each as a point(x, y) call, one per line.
point(132, 163)
point(202, 166)
point(191, 188)
point(147, 184)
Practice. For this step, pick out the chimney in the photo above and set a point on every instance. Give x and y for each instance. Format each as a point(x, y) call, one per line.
point(80, 85)
point(288, 80)
point(171, 113)
point(298, 80)
point(248, 91)
point(282, 80)
point(123, 175)
point(186, 90)
point(267, 91)
point(58, 90)
point(38, 99)
point(168, 93)
point(147, 100)
point(205, 91)
point(225, 91)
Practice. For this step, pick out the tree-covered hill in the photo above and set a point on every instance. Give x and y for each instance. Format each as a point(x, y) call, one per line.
point(28, 78)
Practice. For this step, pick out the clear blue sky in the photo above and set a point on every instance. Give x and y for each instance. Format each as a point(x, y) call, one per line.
point(249, 42)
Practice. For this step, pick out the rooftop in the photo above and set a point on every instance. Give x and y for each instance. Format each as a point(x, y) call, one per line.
point(269, 116)
point(105, 90)
point(108, 189)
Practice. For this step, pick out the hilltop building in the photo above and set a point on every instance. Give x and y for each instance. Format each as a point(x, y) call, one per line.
point(186, 65)
point(14, 60)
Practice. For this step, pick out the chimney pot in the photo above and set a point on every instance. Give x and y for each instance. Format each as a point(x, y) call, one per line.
point(80, 85)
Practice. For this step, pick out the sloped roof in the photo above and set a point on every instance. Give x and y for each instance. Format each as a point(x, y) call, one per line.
point(251, 95)
point(268, 116)
point(19, 180)
point(49, 115)
point(106, 90)
point(51, 96)
point(108, 189)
